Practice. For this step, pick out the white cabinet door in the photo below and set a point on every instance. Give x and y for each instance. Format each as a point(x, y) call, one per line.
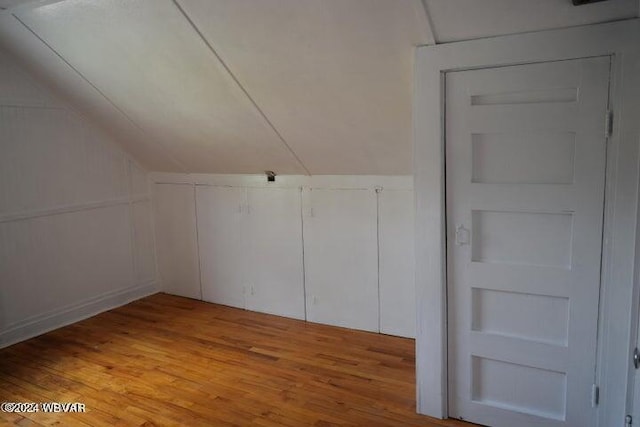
point(397, 283)
point(525, 155)
point(340, 246)
point(274, 249)
point(223, 259)
point(175, 223)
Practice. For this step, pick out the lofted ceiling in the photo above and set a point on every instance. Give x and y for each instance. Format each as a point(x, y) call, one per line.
point(455, 20)
point(242, 86)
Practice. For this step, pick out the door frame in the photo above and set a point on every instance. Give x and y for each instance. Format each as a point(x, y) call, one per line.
point(619, 294)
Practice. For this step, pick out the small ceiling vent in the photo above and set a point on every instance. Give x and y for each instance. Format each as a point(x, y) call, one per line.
point(581, 2)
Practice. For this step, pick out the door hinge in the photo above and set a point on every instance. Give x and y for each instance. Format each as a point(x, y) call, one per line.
point(608, 128)
point(636, 358)
point(628, 421)
point(595, 395)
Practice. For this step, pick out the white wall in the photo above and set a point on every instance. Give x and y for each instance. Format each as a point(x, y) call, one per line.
point(328, 249)
point(76, 236)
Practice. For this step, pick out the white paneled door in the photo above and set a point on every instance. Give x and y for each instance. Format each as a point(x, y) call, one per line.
point(341, 259)
point(525, 174)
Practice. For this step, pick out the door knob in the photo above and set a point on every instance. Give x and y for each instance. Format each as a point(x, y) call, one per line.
point(462, 236)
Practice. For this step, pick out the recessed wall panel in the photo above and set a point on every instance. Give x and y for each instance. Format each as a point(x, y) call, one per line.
point(519, 388)
point(523, 158)
point(527, 238)
point(517, 315)
point(539, 96)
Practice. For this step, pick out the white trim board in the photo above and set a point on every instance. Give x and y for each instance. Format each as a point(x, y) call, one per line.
point(390, 182)
point(618, 39)
point(19, 216)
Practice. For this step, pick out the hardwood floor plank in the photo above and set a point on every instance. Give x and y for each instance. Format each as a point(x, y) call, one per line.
point(166, 360)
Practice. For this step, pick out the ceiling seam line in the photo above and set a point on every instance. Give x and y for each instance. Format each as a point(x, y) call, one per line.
point(239, 84)
point(102, 94)
point(430, 30)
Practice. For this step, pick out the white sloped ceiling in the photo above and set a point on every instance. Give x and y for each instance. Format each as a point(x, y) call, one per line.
point(146, 59)
point(455, 20)
point(242, 86)
point(334, 76)
point(320, 87)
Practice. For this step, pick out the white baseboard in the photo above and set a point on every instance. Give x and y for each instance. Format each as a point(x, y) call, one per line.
point(43, 323)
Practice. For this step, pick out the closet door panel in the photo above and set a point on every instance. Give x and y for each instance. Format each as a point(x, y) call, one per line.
point(397, 264)
point(223, 260)
point(341, 260)
point(275, 272)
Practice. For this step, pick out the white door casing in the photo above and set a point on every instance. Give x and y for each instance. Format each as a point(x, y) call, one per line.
point(525, 174)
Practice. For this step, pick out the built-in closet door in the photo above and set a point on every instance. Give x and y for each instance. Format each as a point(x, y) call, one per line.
point(274, 271)
point(341, 259)
point(397, 282)
point(223, 259)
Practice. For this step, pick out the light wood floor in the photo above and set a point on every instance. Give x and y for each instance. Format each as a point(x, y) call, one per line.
point(166, 360)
